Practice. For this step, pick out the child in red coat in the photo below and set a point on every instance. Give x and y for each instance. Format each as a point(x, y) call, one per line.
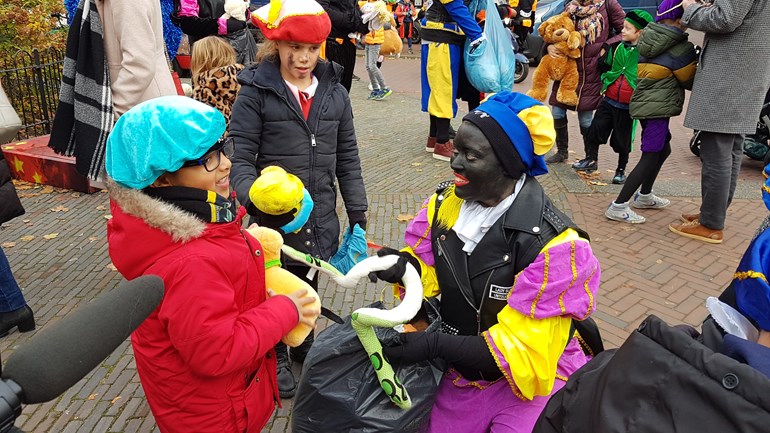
point(205, 356)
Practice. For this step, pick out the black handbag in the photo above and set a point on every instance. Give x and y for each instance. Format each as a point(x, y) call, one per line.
point(10, 205)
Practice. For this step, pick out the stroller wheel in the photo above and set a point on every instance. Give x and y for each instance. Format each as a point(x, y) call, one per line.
point(695, 144)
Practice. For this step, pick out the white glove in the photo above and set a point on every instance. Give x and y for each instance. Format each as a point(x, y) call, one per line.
point(475, 44)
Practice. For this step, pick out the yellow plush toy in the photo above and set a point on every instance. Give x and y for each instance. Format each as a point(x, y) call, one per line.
point(276, 192)
point(281, 281)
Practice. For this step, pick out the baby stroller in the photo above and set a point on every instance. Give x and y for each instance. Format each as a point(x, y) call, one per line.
point(756, 145)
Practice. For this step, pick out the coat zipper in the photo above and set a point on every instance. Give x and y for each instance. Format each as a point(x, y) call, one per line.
point(442, 252)
point(483, 298)
point(311, 134)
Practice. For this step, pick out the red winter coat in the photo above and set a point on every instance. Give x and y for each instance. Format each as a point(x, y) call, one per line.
point(590, 83)
point(205, 356)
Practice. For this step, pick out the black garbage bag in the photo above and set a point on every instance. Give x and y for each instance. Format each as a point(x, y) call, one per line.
point(339, 392)
point(244, 45)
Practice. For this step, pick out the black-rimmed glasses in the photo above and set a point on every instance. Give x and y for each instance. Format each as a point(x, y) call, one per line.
point(211, 159)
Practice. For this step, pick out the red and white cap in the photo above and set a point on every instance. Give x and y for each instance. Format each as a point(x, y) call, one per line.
point(302, 21)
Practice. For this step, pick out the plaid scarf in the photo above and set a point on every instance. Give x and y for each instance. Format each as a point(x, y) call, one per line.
point(589, 21)
point(84, 117)
point(207, 206)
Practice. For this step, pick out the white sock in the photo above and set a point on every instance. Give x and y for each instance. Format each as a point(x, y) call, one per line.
point(619, 206)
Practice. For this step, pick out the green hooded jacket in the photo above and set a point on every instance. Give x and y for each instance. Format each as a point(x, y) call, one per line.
point(666, 68)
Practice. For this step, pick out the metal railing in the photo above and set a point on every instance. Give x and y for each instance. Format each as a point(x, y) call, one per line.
point(32, 81)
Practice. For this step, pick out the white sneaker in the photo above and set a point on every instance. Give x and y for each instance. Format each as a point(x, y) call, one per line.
point(625, 215)
point(651, 201)
point(370, 86)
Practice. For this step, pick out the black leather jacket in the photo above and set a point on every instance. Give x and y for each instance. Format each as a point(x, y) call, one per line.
point(475, 288)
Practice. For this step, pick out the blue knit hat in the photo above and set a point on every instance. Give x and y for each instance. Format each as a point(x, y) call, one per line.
point(158, 136)
point(519, 129)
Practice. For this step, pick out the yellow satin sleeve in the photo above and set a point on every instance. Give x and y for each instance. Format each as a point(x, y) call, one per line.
point(532, 348)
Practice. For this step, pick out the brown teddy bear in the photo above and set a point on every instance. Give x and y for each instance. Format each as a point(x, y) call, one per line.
point(559, 31)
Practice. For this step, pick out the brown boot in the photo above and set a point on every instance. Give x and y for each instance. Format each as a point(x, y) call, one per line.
point(562, 142)
point(430, 145)
point(443, 151)
point(687, 217)
point(694, 230)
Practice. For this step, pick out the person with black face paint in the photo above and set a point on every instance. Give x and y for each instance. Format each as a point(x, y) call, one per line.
point(513, 273)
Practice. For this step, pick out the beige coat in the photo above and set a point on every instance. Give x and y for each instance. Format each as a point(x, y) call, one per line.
point(133, 43)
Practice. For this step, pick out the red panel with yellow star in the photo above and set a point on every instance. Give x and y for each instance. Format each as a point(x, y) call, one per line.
point(33, 161)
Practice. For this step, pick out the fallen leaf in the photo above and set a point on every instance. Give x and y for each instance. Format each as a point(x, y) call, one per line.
point(8, 244)
point(405, 217)
point(659, 261)
point(111, 267)
point(50, 236)
point(27, 238)
point(75, 194)
point(108, 217)
point(25, 221)
point(46, 190)
point(29, 194)
point(593, 182)
point(93, 238)
point(416, 164)
point(101, 207)
point(20, 184)
point(92, 396)
point(59, 208)
point(115, 399)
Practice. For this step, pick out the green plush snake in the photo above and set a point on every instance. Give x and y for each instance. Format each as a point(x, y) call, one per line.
point(364, 319)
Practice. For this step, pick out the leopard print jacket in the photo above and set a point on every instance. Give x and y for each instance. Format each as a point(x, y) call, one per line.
point(218, 88)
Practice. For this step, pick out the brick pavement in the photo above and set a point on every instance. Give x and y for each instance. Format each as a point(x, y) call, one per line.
point(646, 269)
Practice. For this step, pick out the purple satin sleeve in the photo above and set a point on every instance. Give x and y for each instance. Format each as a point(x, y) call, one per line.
point(561, 281)
point(417, 236)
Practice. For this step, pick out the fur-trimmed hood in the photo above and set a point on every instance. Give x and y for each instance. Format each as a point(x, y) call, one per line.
point(144, 230)
point(181, 225)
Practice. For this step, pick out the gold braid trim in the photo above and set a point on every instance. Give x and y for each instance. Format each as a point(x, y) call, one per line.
point(508, 379)
point(588, 292)
point(546, 263)
point(750, 274)
point(431, 203)
point(574, 277)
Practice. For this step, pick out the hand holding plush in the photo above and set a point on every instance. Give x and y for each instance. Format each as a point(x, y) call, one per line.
point(282, 282)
